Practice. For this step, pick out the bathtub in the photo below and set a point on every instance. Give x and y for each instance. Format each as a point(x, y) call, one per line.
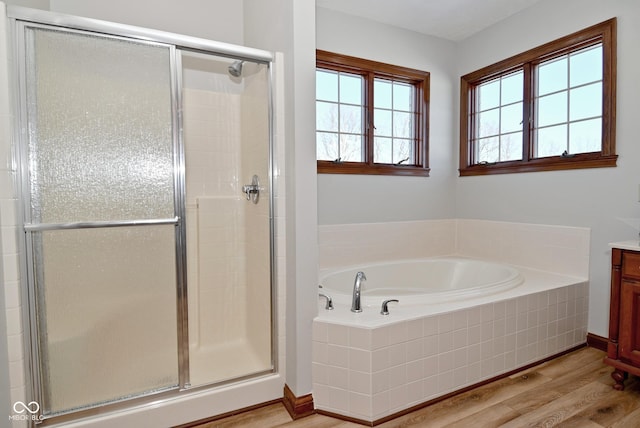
point(459, 321)
point(421, 281)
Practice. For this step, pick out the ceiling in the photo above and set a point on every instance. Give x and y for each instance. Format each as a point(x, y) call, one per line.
point(449, 19)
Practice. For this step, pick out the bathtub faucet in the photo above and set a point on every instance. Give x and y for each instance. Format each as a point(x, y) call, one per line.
point(357, 287)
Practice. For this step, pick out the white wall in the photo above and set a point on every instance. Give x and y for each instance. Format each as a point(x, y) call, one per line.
point(288, 26)
point(34, 4)
point(606, 199)
point(362, 198)
point(219, 20)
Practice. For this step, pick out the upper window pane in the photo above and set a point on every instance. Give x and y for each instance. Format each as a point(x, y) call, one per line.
point(585, 66)
point(350, 89)
point(489, 95)
point(512, 87)
point(382, 91)
point(552, 76)
point(402, 97)
point(327, 85)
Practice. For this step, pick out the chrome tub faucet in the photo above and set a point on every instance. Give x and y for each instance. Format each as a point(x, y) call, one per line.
point(357, 288)
point(329, 305)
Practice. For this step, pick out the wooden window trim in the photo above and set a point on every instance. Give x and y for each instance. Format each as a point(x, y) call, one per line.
point(604, 32)
point(370, 69)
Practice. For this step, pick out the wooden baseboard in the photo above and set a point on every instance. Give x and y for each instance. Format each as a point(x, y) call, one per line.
point(597, 342)
point(298, 407)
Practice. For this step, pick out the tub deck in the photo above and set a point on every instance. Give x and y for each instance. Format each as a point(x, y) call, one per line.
point(368, 366)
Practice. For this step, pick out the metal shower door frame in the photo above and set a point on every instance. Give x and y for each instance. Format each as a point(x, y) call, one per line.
point(22, 18)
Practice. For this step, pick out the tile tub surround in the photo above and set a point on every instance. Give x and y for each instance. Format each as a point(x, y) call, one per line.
point(371, 367)
point(368, 366)
point(559, 249)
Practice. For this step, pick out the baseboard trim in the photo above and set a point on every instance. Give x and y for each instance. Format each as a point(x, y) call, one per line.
point(298, 407)
point(597, 342)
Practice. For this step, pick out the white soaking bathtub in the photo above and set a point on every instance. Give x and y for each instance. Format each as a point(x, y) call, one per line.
point(459, 321)
point(421, 281)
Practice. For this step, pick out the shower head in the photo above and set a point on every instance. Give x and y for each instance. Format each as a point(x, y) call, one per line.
point(235, 69)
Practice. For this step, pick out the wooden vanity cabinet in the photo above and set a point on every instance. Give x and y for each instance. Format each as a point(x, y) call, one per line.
point(623, 349)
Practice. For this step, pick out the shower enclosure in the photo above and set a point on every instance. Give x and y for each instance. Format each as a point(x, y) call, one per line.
point(145, 175)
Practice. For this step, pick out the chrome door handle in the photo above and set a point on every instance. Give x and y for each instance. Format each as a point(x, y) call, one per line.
point(252, 191)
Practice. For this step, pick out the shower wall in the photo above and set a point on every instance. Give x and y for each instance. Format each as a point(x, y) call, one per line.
point(215, 216)
point(255, 160)
point(226, 132)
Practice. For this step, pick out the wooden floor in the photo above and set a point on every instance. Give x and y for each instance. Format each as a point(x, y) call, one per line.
point(571, 391)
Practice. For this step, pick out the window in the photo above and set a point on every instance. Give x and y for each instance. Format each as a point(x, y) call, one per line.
point(549, 108)
point(371, 118)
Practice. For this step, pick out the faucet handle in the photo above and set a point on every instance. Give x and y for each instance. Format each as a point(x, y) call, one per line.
point(329, 305)
point(385, 310)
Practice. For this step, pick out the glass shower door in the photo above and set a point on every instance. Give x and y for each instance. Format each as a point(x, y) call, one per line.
point(101, 217)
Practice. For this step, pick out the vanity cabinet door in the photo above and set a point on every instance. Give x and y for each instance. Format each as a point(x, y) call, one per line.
point(630, 322)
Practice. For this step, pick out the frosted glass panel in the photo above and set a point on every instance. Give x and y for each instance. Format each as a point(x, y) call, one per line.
point(100, 148)
point(100, 143)
point(108, 306)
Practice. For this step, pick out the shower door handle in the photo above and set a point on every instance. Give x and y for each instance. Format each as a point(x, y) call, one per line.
point(252, 191)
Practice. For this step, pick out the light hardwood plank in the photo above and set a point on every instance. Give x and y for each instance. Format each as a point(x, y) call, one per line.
point(490, 417)
point(566, 363)
point(573, 378)
point(614, 406)
point(578, 422)
point(557, 411)
point(468, 403)
point(632, 420)
point(268, 416)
